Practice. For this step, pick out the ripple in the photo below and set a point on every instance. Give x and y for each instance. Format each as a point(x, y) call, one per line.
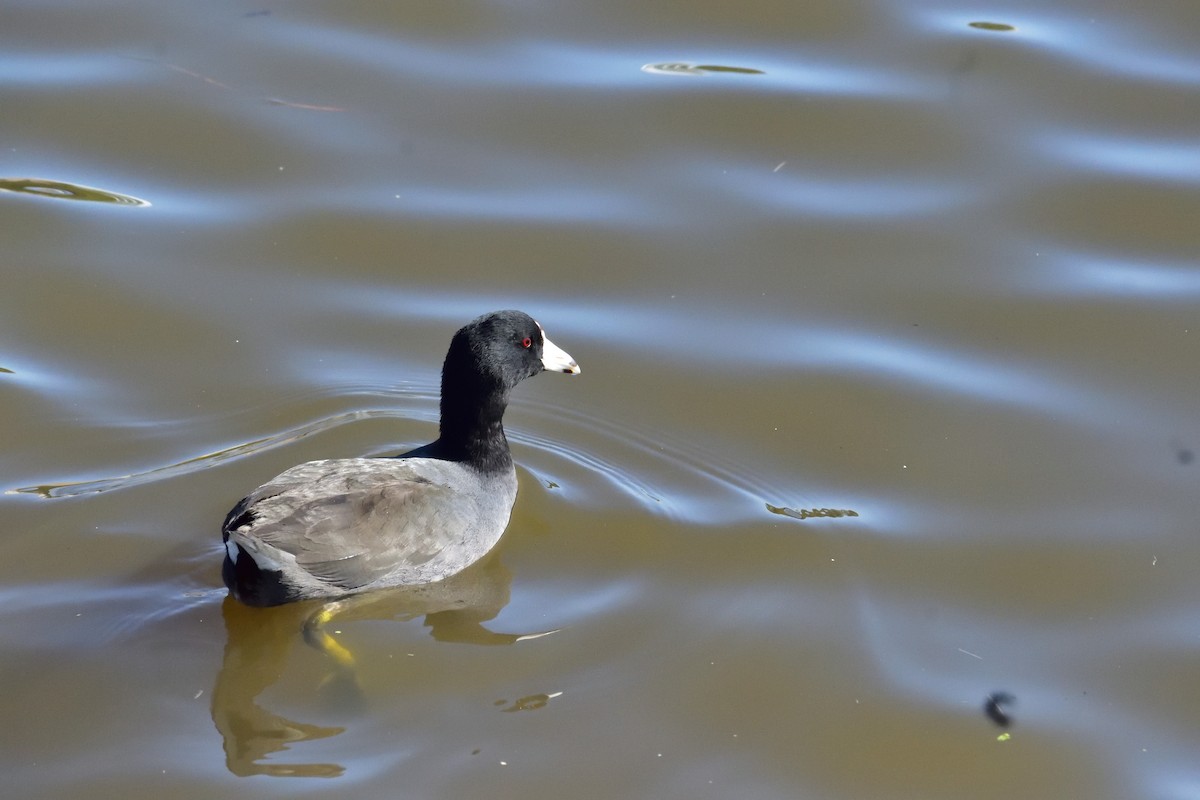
point(1168, 161)
point(199, 462)
point(53, 384)
point(1088, 274)
point(1110, 51)
point(673, 478)
point(664, 475)
point(798, 192)
point(108, 612)
point(62, 68)
point(1103, 43)
point(708, 342)
point(547, 62)
point(547, 205)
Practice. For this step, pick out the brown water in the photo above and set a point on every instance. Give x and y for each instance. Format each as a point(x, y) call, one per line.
point(868, 258)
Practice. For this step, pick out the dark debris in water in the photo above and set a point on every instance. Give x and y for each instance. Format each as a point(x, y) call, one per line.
point(999, 27)
point(811, 513)
point(529, 703)
point(7, 371)
point(995, 708)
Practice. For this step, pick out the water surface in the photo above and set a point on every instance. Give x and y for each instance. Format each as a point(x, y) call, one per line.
point(927, 266)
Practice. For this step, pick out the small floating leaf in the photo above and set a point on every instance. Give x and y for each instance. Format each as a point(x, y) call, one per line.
point(684, 68)
point(8, 371)
point(992, 26)
point(66, 191)
point(811, 513)
point(737, 70)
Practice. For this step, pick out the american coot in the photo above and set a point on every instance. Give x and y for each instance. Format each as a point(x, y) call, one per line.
point(341, 526)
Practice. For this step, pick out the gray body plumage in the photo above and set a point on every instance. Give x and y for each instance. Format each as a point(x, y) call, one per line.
point(347, 525)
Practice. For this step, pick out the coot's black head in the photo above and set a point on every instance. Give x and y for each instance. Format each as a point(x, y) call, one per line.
point(504, 348)
point(487, 358)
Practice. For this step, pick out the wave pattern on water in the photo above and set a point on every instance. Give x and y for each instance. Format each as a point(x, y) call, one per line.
point(196, 463)
point(932, 265)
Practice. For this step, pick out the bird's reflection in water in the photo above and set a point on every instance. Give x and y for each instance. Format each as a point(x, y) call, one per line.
point(260, 640)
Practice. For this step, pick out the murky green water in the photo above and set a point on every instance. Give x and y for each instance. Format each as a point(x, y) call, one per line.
point(888, 316)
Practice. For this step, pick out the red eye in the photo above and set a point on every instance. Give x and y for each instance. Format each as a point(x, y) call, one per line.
point(526, 342)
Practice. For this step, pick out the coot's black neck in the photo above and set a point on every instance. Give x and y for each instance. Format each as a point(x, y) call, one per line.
point(472, 429)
